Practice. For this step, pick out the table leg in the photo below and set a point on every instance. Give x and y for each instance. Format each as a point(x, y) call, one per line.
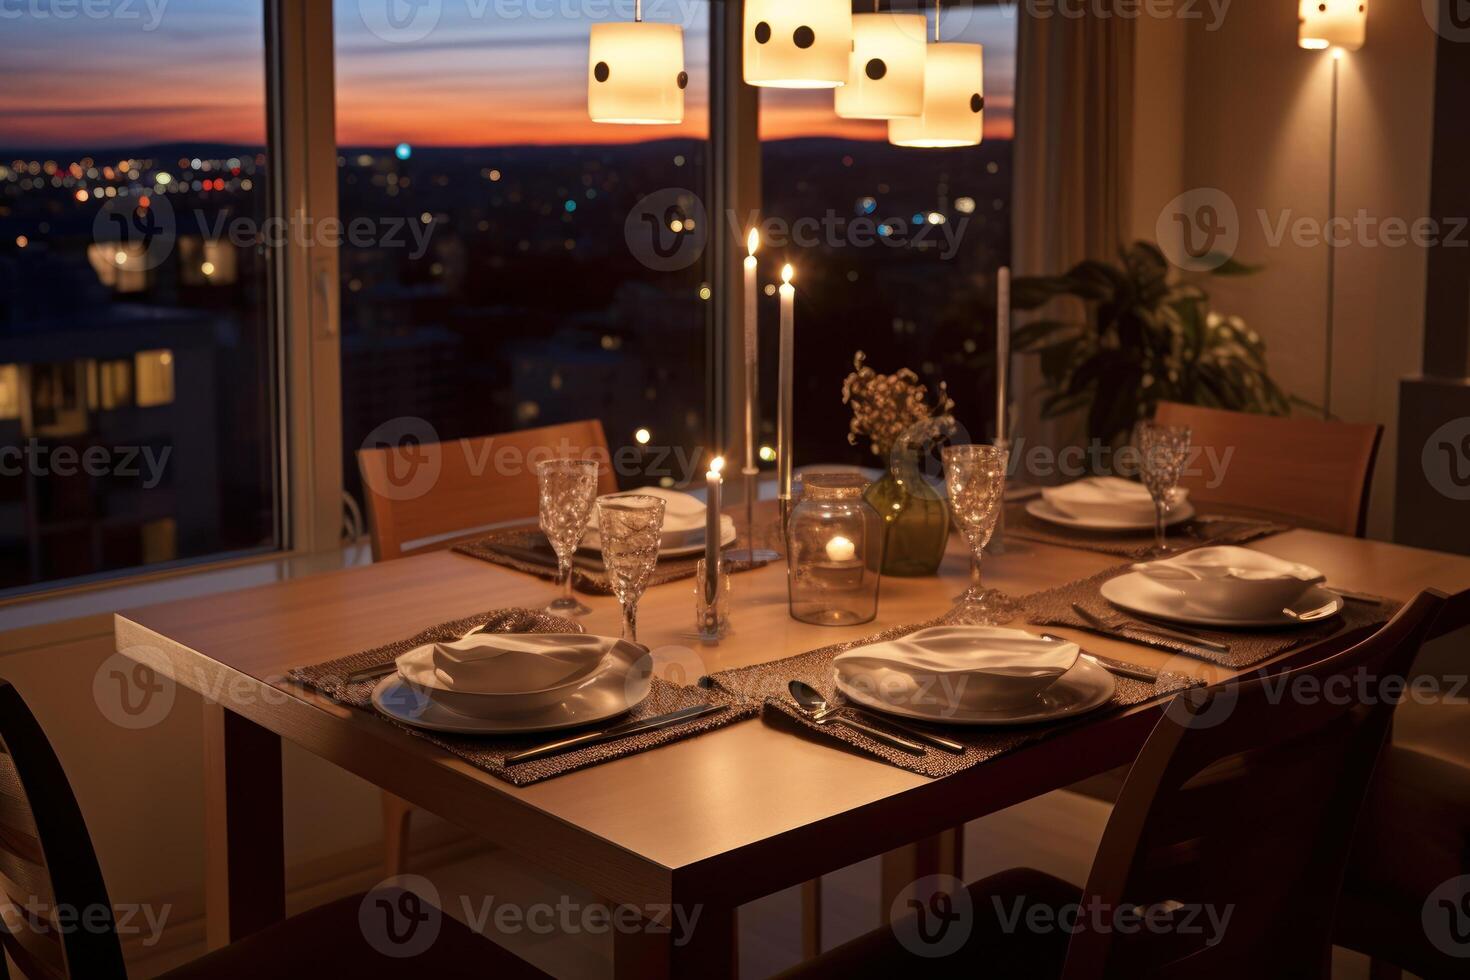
point(658, 952)
point(941, 854)
point(245, 855)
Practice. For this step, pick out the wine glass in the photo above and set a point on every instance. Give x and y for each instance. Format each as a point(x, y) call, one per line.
point(568, 491)
point(1163, 450)
point(976, 477)
point(631, 525)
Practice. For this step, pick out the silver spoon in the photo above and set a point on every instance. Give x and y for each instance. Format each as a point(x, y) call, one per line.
point(814, 707)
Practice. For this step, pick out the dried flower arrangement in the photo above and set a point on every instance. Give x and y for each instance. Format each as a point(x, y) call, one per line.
point(884, 406)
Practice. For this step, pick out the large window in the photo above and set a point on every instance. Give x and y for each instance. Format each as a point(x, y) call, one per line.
point(136, 387)
point(900, 246)
point(522, 293)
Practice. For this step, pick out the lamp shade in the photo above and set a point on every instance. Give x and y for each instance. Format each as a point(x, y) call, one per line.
point(954, 100)
point(885, 77)
point(635, 73)
point(1332, 24)
point(797, 45)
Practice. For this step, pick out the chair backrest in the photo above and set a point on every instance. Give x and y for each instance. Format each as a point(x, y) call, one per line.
point(418, 492)
point(58, 921)
point(1243, 804)
point(1316, 473)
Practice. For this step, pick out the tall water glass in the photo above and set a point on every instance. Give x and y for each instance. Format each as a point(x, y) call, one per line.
point(1163, 451)
point(568, 491)
point(631, 525)
point(976, 477)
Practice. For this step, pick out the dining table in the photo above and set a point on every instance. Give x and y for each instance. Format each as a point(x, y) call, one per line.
point(709, 822)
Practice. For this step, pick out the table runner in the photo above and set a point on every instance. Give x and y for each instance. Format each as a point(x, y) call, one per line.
point(1247, 647)
point(1204, 529)
point(488, 752)
point(526, 549)
point(767, 682)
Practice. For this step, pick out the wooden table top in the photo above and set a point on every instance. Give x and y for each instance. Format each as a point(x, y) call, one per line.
point(697, 811)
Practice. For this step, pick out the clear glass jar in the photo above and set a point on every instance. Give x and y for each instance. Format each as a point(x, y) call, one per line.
point(834, 555)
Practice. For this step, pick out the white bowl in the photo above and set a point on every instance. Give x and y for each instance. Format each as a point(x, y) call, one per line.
point(1239, 581)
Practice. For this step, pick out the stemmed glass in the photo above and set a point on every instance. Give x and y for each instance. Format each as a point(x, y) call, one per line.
point(631, 525)
point(1163, 450)
point(568, 491)
point(976, 477)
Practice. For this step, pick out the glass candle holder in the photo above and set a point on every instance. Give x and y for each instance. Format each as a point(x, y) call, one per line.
point(834, 556)
point(711, 601)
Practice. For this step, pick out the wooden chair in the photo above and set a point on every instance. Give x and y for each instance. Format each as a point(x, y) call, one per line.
point(421, 498)
point(1414, 836)
point(1244, 798)
point(59, 922)
point(1315, 473)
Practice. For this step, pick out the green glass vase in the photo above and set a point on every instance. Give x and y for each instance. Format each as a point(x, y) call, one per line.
point(915, 524)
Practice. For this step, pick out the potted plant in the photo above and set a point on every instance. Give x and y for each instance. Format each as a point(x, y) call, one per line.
point(1147, 338)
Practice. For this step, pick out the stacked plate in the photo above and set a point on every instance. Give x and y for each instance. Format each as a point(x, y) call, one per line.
point(1225, 586)
point(1106, 503)
point(509, 683)
point(973, 675)
point(684, 524)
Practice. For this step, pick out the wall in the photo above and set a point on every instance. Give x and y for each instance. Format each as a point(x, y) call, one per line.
point(1257, 125)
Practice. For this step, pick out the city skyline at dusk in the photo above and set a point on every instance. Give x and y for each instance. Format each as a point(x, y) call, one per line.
point(474, 80)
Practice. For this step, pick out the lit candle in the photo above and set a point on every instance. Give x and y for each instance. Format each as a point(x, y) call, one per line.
point(787, 378)
point(841, 549)
point(751, 344)
point(1002, 351)
point(712, 530)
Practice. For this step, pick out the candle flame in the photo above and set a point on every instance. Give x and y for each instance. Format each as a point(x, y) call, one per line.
point(754, 241)
point(717, 464)
point(786, 273)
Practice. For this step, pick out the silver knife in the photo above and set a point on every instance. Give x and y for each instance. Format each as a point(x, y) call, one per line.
point(1148, 630)
point(1123, 669)
point(635, 727)
point(938, 741)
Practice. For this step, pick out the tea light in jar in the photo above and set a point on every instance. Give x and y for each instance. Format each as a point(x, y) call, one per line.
point(841, 549)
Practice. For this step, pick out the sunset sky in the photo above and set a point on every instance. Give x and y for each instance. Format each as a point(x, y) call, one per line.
point(485, 72)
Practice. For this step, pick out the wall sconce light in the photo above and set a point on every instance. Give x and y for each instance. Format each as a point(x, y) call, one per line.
point(797, 45)
point(1332, 24)
point(886, 75)
point(635, 73)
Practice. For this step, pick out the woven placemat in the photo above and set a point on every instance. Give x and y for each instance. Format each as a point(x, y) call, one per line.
point(488, 752)
point(768, 682)
point(1205, 529)
point(1247, 648)
point(526, 550)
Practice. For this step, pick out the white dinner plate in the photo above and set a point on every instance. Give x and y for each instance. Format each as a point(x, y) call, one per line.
point(1086, 687)
point(1137, 593)
point(691, 544)
point(1040, 508)
point(606, 694)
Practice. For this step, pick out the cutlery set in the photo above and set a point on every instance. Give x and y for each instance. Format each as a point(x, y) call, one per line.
point(1149, 634)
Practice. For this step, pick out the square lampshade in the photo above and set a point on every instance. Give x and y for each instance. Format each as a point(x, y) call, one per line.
point(886, 69)
point(954, 100)
point(635, 73)
point(797, 43)
point(1332, 24)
